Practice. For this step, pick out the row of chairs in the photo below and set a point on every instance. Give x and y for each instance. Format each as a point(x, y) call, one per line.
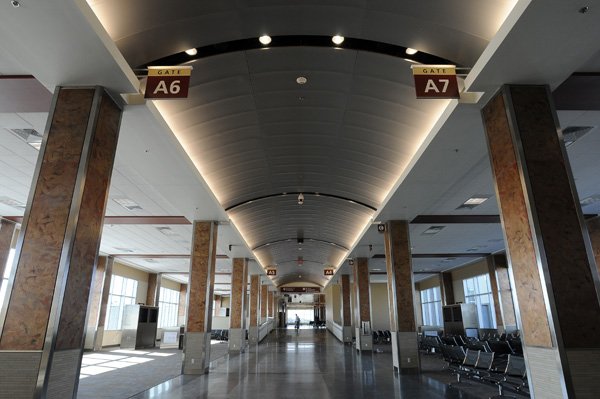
point(505, 372)
point(511, 346)
point(382, 337)
point(219, 335)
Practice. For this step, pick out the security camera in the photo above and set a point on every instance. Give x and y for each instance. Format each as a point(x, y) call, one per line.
point(300, 199)
point(15, 3)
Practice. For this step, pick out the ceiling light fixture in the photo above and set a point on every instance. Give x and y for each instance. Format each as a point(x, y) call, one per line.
point(301, 80)
point(30, 136)
point(264, 40)
point(337, 40)
point(12, 202)
point(411, 51)
point(167, 231)
point(191, 51)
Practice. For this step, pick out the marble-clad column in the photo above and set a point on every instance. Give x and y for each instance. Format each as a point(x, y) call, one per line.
point(44, 326)
point(7, 229)
point(507, 306)
point(153, 293)
point(271, 305)
point(253, 329)
point(182, 305)
point(398, 259)
point(99, 337)
point(95, 303)
point(555, 281)
point(447, 289)
point(593, 226)
point(495, 293)
point(364, 339)
point(237, 328)
point(264, 289)
point(196, 354)
point(346, 308)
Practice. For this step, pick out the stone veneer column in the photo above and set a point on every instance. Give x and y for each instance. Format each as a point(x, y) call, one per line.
point(196, 354)
point(507, 306)
point(550, 257)
point(7, 230)
point(593, 226)
point(264, 289)
point(99, 336)
point(95, 303)
point(271, 306)
point(44, 326)
point(495, 293)
point(346, 308)
point(153, 293)
point(237, 325)
point(398, 260)
point(364, 342)
point(447, 289)
point(182, 303)
point(254, 309)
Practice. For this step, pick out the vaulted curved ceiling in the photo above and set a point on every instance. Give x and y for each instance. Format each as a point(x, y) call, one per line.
point(343, 138)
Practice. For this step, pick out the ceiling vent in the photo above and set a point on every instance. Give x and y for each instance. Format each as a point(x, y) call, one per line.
point(127, 203)
point(592, 199)
point(12, 203)
point(378, 256)
point(167, 231)
point(30, 136)
point(573, 133)
point(433, 230)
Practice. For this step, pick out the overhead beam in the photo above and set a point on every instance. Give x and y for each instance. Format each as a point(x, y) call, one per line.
point(128, 219)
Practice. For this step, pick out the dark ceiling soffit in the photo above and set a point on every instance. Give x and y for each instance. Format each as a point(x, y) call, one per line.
point(455, 219)
point(160, 256)
point(128, 219)
point(295, 41)
point(270, 243)
point(580, 92)
point(447, 255)
point(305, 194)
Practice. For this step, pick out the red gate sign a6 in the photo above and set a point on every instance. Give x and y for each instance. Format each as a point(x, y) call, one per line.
point(168, 82)
point(435, 81)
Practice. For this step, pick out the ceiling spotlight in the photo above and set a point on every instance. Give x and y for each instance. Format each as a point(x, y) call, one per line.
point(300, 199)
point(411, 51)
point(301, 80)
point(337, 40)
point(191, 51)
point(264, 40)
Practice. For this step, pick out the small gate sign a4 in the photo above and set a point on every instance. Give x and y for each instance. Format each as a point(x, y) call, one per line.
point(435, 81)
point(166, 82)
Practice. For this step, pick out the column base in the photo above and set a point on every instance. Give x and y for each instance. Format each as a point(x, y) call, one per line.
point(237, 340)
point(64, 374)
point(363, 342)
point(196, 354)
point(253, 335)
point(405, 352)
point(98, 338)
point(19, 372)
point(347, 334)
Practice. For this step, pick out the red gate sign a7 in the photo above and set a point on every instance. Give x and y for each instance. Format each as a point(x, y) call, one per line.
point(435, 81)
point(168, 82)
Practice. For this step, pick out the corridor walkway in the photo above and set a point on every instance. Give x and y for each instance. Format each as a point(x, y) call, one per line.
point(309, 364)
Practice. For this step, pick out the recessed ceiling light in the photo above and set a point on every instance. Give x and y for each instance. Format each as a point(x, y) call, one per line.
point(127, 203)
point(191, 51)
point(592, 199)
point(376, 270)
point(30, 136)
point(301, 80)
point(474, 201)
point(167, 231)
point(120, 249)
point(337, 39)
point(433, 230)
point(264, 39)
point(411, 51)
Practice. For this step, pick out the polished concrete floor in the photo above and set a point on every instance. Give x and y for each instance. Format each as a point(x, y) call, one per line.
point(309, 364)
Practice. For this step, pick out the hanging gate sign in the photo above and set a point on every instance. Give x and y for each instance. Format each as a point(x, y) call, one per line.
point(435, 81)
point(271, 272)
point(168, 82)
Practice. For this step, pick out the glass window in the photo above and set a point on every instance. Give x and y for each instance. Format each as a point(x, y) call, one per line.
point(168, 304)
point(478, 290)
point(431, 306)
point(7, 271)
point(122, 292)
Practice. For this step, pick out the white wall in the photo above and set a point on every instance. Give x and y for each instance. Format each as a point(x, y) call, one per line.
point(380, 308)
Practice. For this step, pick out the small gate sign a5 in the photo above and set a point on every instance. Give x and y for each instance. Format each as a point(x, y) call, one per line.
point(166, 82)
point(435, 81)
